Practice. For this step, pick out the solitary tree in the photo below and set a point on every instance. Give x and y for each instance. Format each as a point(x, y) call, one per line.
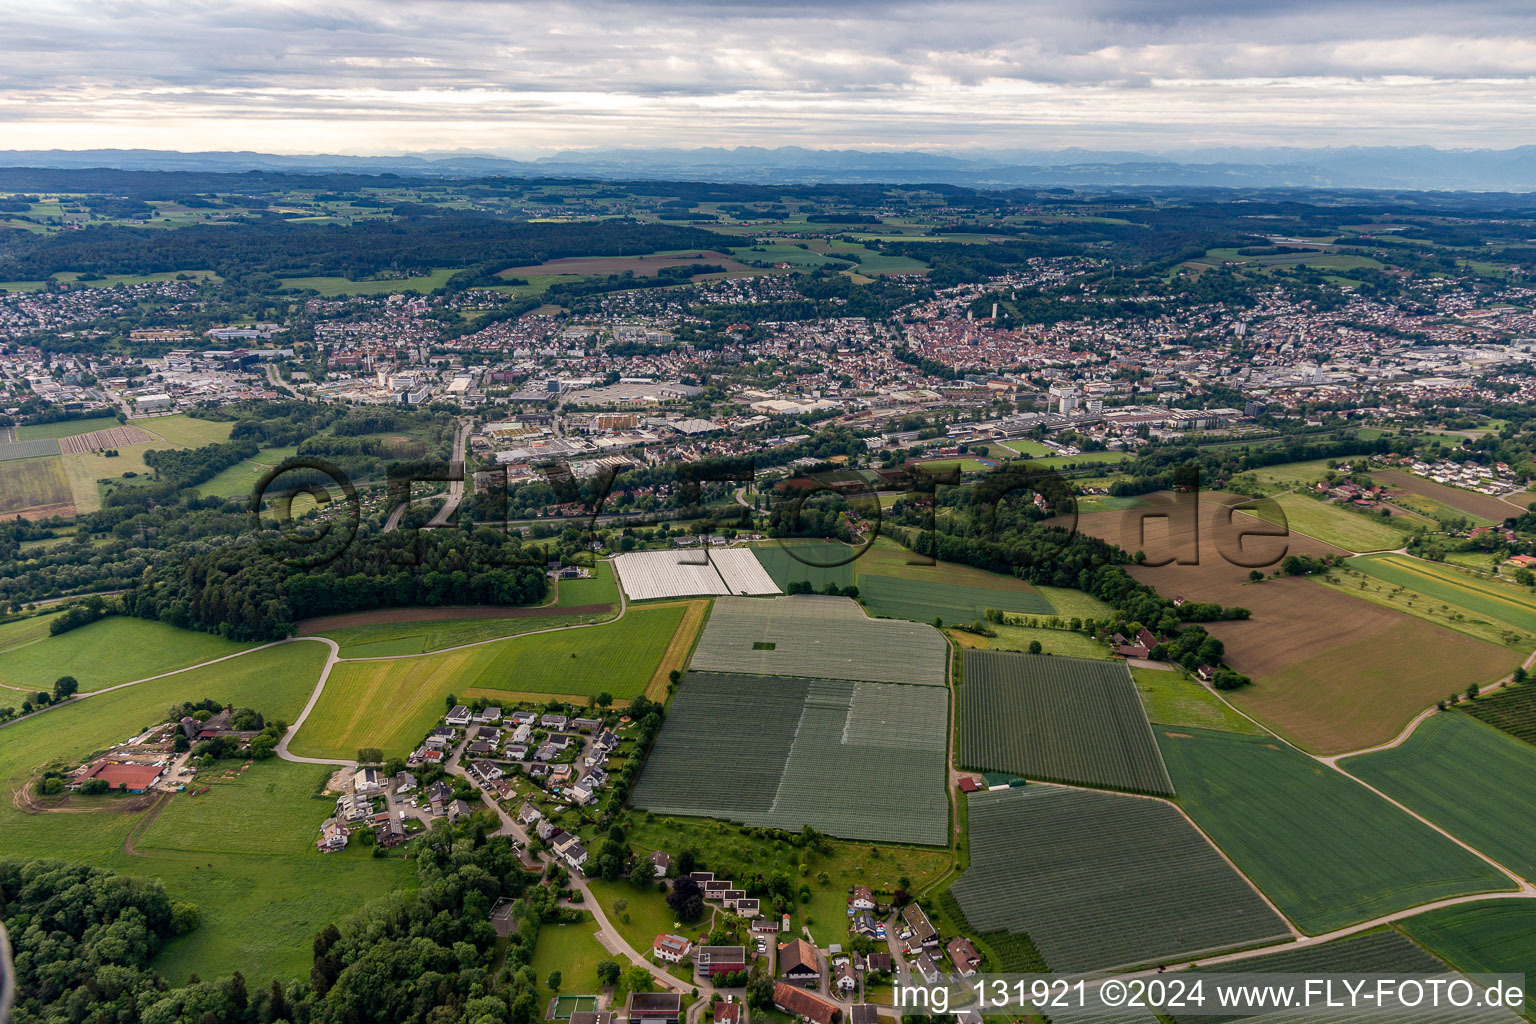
point(65, 687)
point(554, 981)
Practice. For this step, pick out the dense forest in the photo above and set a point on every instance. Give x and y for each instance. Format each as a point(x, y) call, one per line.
point(273, 246)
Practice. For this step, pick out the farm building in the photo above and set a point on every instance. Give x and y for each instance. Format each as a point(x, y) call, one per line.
point(131, 778)
point(799, 962)
point(800, 1003)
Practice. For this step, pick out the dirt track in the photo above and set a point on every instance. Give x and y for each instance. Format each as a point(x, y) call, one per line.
point(310, 627)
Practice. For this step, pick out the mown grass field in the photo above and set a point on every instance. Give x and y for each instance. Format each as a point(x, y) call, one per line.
point(573, 950)
point(239, 480)
point(185, 431)
point(1472, 780)
point(645, 914)
point(1032, 449)
point(1062, 642)
point(792, 561)
point(1325, 849)
point(1350, 530)
point(20, 631)
point(1492, 937)
point(600, 589)
point(64, 428)
point(33, 483)
point(259, 907)
point(391, 703)
point(395, 639)
point(1171, 698)
point(113, 650)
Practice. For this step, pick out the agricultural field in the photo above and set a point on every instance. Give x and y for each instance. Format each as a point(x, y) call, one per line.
point(922, 601)
point(1326, 850)
point(818, 637)
point(86, 472)
point(11, 451)
point(1288, 476)
point(113, 650)
point(769, 745)
point(251, 906)
point(885, 557)
point(1172, 698)
point(1512, 709)
point(1480, 509)
point(1332, 672)
point(1503, 606)
point(1493, 936)
point(1383, 951)
point(1429, 772)
point(37, 486)
point(391, 702)
point(793, 561)
point(1159, 890)
point(64, 428)
point(1342, 527)
point(648, 575)
point(1059, 719)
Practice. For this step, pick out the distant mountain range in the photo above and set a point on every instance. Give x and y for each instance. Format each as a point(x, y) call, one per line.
point(1374, 167)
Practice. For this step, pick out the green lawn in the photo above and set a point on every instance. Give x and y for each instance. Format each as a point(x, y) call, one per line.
point(1062, 642)
point(1491, 937)
point(645, 916)
point(65, 428)
point(1071, 603)
point(21, 631)
point(1325, 849)
point(392, 703)
point(1081, 459)
point(600, 589)
point(186, 431)
point(1171, 698)
point(1472, 780)
point(573, 950)
point(262, 890)
point(113, 650)
point(1033, 449)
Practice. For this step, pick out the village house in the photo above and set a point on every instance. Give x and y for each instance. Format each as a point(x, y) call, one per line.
point(458, 717)
point(730, 1013)
point(333, 836)
point(528, 814)
point(800, 963)
point(367, 780)
point(862, 898)
point(963, 955)
point(923, 932)
point(405, 782)
point(353, 807)
point(843, 978)
point(800, 1003)
point(661, 860)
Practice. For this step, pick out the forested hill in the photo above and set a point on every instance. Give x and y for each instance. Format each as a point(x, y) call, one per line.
point(268, 244)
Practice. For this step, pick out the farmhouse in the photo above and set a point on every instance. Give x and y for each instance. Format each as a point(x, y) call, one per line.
point(653, 1007)
point(799, 962)
point(801, 1003)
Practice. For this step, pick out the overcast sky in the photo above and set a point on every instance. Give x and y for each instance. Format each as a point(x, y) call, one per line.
point(390, 76)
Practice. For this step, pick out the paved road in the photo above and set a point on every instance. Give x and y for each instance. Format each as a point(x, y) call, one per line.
point(7, 435)
point(455, 487)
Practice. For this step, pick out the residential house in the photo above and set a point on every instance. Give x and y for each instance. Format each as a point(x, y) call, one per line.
point(516, 752)
point(671, 948)
point(730, 1013)
point(439, 792)
point(353, 807)
point(528, 814)
point(582, 793)
point(881, 961)
point(523, 717)
point(799, 962)
point(864, 923)
point(367, 780)
point(333, 836)
point(963, 955)
point(405, 782)
point(923, 932)
point(716, 888)
point(927, 968)
point(863, 1013)
point(554, 722)
point(862, 898)
point(490, 714)
point(843, 978)
point(458, 717)
point(660, 861)
point(800, 1003)
point(523, 733)
point(585, 724)
point(747, 907)
point(458, 809)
